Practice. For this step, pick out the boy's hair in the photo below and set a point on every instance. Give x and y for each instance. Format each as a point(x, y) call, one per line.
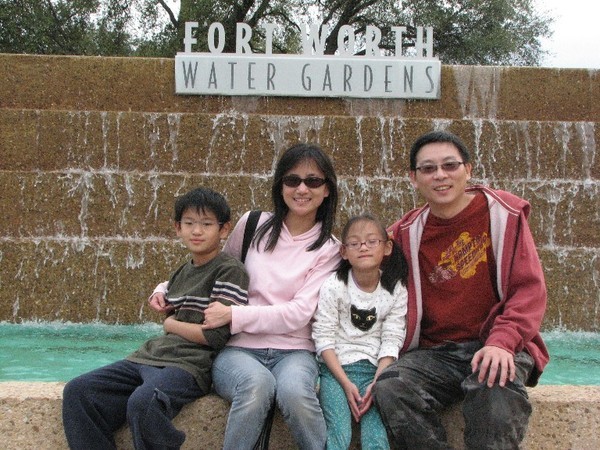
point(202, 200)
point(438, 136)
point(394, 267)
point(326, 211)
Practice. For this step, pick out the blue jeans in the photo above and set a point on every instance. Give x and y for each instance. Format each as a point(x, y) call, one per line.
point(98, 403)
point(253, 380)
point(337, 411)
point(411, 393)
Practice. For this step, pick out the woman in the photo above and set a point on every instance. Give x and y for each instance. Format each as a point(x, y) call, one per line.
point(270, 357)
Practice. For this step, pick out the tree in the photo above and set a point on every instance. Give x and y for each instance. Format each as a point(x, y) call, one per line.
point(487, 32)
point(76, 27)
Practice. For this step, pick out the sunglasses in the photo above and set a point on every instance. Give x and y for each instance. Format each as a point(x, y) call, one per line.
point(310, 182)
point(451, 166)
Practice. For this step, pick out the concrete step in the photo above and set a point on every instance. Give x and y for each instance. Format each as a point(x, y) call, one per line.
point(564, 417)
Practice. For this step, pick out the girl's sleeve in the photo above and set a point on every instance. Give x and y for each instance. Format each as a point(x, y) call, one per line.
point(324, 328)
point(393, 329)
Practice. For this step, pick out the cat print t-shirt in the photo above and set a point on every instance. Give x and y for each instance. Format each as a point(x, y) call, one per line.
point(457, 275)
point(359, 325)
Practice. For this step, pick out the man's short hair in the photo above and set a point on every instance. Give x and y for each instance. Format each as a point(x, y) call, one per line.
point(438, 136)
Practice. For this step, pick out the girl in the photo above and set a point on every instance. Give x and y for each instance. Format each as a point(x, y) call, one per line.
point(359, 329)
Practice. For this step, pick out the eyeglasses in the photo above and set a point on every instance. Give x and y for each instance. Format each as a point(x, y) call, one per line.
point(450, 166)
point(310, 182)
point(370, 243)
point(204, 224)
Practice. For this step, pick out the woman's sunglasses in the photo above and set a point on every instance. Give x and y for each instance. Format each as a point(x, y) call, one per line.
point(310, 182)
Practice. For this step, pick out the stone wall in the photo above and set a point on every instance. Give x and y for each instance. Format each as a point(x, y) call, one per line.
point(94, 150)
point(564, 417)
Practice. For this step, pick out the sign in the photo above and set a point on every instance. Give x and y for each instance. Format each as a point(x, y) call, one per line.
point(311, 74)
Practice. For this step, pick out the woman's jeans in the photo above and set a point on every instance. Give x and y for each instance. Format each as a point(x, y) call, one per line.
point(411, 393)
point(337, 411)
point(253, 380)
point(98, 403)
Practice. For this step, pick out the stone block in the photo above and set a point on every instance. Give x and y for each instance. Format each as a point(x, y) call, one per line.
point(30, 419)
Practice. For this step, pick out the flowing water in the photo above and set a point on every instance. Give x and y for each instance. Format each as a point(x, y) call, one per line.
point(60, 351)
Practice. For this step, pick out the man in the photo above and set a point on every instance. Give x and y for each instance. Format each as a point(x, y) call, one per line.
point(477, 297)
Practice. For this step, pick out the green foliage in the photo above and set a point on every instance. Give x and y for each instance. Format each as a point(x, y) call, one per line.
point(76, 27)
point(483, 32)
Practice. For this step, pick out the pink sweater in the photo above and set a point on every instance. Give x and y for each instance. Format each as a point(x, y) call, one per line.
point(283, 290)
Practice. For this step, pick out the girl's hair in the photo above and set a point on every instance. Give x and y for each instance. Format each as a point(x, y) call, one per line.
point(394, 267)
point(325, 213)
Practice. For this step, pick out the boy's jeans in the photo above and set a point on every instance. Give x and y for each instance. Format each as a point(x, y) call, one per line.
point(97, 403)
point(253, 379)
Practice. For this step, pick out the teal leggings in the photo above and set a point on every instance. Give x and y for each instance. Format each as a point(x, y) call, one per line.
point(337, 411)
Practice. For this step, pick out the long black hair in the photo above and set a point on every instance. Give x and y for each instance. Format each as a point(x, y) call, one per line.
point(326, 211)
point(394, 267)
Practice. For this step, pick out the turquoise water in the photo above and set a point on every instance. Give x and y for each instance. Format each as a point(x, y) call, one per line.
point(61, 351)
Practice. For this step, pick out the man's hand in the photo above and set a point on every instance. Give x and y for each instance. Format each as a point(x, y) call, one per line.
point(158, 302)
point(490, 361)
point(216, 315)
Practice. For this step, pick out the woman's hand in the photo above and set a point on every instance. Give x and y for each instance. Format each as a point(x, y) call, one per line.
point(158, 302)
point(216, 315)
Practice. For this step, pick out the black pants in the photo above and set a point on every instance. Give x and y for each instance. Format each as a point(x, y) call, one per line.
point(98, 403)
point(411, 393)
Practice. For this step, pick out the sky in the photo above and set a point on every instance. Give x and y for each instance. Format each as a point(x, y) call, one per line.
point(576, 39)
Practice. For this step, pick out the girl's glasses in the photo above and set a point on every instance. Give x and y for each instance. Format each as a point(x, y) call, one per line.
point(310, 182)
point(370, 243)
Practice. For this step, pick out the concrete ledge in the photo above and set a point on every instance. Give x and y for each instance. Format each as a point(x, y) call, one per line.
point(565, 417)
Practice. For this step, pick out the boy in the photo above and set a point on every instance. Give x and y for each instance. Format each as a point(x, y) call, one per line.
point(149, 387)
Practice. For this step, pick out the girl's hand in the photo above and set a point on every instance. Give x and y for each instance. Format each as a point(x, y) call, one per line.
point(158, 302)
point(354, 400)
point(367, 400)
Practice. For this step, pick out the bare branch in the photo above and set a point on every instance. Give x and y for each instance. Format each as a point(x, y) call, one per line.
point(169, 11)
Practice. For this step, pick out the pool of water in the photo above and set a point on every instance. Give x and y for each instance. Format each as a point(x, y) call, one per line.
point(61, 351)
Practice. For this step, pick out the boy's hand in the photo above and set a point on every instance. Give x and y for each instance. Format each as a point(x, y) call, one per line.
point(216, 315)
point(167, 324)
point(158, 302)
